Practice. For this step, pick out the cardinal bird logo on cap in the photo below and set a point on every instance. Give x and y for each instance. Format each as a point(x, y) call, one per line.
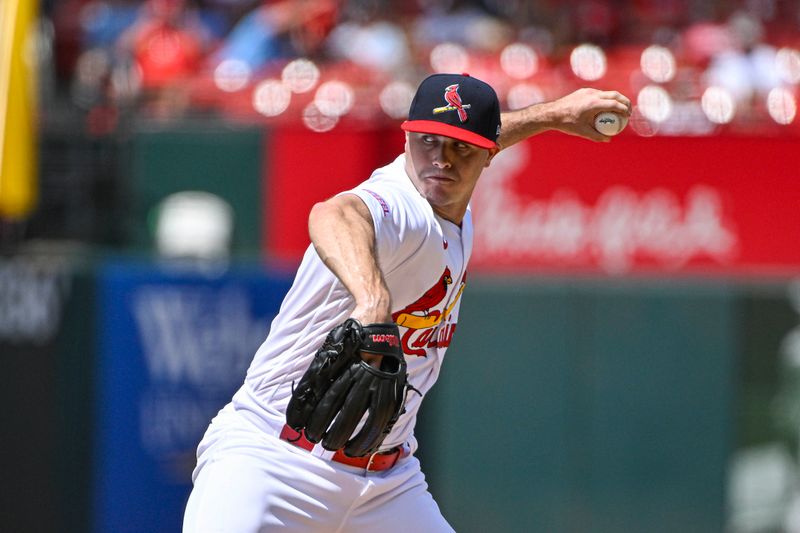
point(454, 103)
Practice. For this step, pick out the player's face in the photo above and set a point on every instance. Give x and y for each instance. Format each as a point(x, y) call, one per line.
point(445, 170)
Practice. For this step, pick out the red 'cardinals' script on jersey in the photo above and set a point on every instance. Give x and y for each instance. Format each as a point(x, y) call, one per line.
point(427, 327)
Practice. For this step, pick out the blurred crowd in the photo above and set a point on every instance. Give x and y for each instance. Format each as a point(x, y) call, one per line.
point(692, 67)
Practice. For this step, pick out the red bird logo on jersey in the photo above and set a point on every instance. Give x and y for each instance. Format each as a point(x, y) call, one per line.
point(431, 298)
point(426, 326)
point(454, 103)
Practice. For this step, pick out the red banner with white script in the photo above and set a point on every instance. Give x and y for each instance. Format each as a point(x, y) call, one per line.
point(726, 205)
point(561, 204)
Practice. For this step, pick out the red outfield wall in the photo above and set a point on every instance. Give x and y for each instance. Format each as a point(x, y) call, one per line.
point(693, 205)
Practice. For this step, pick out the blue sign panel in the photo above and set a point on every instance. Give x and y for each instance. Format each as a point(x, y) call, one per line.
point(174, 345)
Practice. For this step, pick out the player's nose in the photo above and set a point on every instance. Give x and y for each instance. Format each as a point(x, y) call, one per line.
point(440, 159)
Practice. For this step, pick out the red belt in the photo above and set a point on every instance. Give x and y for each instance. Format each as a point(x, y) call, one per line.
point(371, 463)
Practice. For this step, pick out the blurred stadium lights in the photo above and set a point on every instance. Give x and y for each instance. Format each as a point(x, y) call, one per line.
point(271, 97)
point(787, 62)
point(449, 57)
point(658, 64)
point(315, 120)
point(519, 61)
point(687, 118)
point(300, 75)
point(523, 69)
point(781, 105)
point(654, 103)
point(126, 83)
point(232, 75)
point(588, 62)
point(91, 68)
point(718, 104)
point(395, 99)
point(334, 98)
point(524, 94)
point(194, 224)
point(92, 65)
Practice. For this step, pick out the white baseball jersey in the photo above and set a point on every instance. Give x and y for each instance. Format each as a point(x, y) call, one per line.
point(423, 258)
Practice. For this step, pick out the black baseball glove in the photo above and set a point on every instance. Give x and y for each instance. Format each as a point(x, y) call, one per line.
point(339, 388)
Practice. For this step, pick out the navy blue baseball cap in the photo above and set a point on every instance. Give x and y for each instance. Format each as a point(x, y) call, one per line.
point(457, 106)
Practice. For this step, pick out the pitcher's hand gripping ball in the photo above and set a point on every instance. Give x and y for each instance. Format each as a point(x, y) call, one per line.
point(339, 388)
point(609, 123)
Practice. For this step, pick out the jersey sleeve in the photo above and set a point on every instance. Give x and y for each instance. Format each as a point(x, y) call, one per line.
point(398, 232)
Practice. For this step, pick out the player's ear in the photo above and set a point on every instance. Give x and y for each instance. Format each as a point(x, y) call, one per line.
point(492, 153)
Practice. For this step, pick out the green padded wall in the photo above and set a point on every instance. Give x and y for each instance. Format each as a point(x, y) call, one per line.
point(221, 160)
point(584, 407)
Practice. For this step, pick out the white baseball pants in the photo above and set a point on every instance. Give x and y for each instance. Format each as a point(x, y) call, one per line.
point(248, 481)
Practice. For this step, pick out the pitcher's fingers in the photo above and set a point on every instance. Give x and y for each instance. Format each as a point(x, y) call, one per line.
point(621, 103)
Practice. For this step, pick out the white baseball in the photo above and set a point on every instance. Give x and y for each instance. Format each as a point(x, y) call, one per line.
point(609, 123)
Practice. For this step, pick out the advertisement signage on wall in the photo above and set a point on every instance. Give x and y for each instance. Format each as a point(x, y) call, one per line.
point(560, 204)
point(174, 346)
point(665, 205)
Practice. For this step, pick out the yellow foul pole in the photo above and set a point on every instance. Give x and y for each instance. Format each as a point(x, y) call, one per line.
point(17, 108)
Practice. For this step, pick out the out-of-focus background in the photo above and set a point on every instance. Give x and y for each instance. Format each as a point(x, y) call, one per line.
point(628, 357)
